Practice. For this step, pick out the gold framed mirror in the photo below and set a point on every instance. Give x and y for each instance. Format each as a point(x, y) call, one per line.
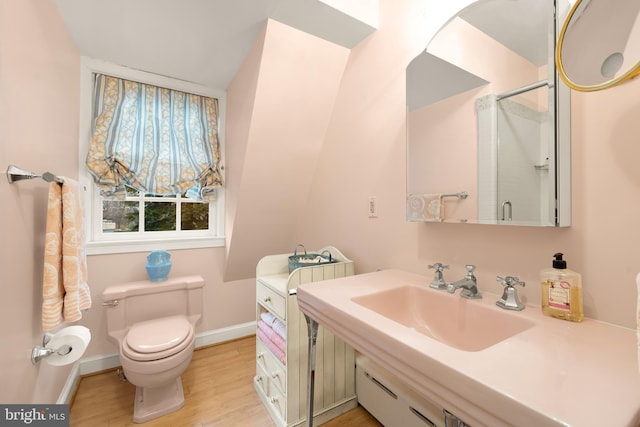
point(599, 44)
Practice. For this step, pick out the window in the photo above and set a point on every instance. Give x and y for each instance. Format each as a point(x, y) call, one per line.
point(138, 221)
point(140, 212)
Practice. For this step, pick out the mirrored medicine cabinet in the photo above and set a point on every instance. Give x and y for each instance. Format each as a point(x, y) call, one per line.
point(488, 137)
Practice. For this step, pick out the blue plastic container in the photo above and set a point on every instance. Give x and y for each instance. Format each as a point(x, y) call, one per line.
point(158, 265)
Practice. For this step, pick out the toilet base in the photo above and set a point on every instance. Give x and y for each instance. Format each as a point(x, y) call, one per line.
point(151, 403)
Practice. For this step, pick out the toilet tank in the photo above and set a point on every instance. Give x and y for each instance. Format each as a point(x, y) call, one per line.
point(146, 300)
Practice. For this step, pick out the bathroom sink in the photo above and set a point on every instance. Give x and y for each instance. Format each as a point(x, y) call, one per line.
point(458, 322)
point(489, 361)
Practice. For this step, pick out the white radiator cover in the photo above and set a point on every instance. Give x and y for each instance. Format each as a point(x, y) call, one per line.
point(390, 401)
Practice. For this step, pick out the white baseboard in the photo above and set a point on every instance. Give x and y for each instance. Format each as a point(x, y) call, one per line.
point(229, 333)
point(89, 365)
point(70, 385)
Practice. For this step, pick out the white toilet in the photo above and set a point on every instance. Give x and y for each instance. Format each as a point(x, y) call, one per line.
point(153, 324)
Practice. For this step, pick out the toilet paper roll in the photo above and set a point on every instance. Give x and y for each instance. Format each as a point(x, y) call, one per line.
point(77, 337)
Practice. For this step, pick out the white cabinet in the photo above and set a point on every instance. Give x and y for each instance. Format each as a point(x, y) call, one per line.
point(393, 403)
point(281, 363)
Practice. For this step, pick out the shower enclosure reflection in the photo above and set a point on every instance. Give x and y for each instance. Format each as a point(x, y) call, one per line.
point(513, 140)
point(486, 116)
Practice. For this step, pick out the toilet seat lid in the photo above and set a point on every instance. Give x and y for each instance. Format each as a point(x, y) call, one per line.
point(158, 335)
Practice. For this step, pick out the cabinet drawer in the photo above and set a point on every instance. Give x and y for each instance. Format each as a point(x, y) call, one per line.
point(278, 401)
point(271, 366)
point(262, 379)
point(271, 300)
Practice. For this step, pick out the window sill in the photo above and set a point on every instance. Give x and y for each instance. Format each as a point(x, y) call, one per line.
point(130, 246)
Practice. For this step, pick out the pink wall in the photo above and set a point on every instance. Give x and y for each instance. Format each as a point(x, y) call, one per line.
point(39, 93)
point(280, 139)
point(241, 95)
point(362, 154)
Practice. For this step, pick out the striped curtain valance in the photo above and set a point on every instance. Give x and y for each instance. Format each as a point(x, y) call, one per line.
point(156, 140)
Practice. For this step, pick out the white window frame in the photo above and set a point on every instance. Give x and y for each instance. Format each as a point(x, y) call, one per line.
point(98, 242)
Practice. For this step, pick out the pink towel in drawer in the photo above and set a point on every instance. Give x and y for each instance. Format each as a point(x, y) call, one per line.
point(276, 324)
point(271, 346)
point(273, 337)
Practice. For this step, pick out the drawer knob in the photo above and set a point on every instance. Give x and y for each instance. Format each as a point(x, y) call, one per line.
point(275, 375)
point(259, 378)
point(266, 299)
point(274, 400)
point(260, 355)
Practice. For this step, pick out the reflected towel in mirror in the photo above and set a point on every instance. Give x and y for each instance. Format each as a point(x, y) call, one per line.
point(425, 207)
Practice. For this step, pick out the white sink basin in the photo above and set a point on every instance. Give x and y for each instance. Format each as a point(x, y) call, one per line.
point(458, 322)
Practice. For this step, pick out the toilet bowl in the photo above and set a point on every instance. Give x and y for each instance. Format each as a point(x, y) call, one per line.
point(154, 327)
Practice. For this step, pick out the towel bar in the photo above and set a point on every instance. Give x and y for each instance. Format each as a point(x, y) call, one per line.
point(15, 174)
point(462, 195)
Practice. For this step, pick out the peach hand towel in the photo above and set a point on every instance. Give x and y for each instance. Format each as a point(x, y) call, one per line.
point(65, 291)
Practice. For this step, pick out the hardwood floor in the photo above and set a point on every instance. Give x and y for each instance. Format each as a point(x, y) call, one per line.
point(218, 388)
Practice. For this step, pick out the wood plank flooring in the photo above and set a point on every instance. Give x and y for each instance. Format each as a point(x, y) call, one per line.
point(218, 388)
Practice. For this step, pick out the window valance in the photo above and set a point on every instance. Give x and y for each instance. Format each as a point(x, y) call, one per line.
point(156, 140)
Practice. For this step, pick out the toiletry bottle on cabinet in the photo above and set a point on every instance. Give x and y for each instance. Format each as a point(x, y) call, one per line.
point(562, 291)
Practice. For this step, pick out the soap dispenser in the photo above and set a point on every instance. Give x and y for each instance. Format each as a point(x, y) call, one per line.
point(561, 291)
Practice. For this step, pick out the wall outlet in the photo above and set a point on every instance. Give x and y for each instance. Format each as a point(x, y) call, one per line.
point(373, 209)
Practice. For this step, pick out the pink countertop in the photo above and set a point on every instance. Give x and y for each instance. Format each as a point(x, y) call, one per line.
point(557, 373)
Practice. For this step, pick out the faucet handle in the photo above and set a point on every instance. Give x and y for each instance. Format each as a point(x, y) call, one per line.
point(510, 281)
point(438, 279)
point(510, 300)
point(470, 269)
point(438, 267)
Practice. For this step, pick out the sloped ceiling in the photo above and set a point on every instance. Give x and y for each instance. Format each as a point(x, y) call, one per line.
point(201, 41)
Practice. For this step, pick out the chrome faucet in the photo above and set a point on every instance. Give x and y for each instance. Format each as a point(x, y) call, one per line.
point(468, 283)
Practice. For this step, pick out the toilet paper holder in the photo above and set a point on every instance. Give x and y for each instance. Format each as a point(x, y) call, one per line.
point(40, 352)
